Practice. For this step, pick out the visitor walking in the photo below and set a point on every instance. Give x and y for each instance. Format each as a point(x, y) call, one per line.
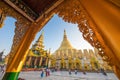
point(42, 73)
point(70, 72)
point(76, 71)
point(103, 71)
point(2, 69)
point(48, 72)
point(84, 72)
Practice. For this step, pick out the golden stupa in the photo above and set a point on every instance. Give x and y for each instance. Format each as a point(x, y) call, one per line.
point(67, 57)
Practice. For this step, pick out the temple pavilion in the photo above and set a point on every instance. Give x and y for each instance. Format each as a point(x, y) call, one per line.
point(37, 55)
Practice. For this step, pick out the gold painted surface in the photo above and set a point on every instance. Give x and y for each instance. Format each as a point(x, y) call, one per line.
point(106, 22)
point(106, 16)
point(116, 2)
point(16, 61)
point(46, 62)
point(21, 27)
point(41, 58)
point(117, 71)
point(102, 36)
point(76, 13)
point(2, 18)
point(19, 58)
point(29, 61)
point(70, 58)
point(30, 53)
point(65, 43)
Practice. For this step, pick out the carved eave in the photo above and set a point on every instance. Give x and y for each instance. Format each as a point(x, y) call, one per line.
point(77, 14)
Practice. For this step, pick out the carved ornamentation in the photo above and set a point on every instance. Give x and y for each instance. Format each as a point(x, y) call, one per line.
point(75, 13)
point(72, 13)
point(21, 24)
point(21, 5)
point(2, 18)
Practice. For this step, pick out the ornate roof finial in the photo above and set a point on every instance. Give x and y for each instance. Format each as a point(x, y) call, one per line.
point(65, 36)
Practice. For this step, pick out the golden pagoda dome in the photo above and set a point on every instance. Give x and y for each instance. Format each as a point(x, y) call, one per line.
point(65, 45)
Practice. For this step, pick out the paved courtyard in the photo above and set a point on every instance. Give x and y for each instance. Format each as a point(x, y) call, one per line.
point(63, 75)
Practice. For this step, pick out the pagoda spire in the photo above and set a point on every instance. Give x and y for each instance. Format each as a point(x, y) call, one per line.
point(41, 38)
point(65, 43)
point(39, 42)
point(65, 36)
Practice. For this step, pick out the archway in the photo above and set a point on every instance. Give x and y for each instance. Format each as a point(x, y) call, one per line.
point(6, 38)
point(96, 29)
point(6, 35)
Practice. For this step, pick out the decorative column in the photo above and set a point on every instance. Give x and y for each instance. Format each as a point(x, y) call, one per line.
point(17, 61)
point(29, 61)
point(46, 63)
point(35, 63)
point(41, 59)
point(98, 28)
point(117, 71)
point(108, 26)
point(24, 35)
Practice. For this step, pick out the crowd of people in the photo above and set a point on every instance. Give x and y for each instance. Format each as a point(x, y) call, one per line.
point(46, 72)
point(75, 71)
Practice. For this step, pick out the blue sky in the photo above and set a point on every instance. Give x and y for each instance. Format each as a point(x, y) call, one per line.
point(53, 35)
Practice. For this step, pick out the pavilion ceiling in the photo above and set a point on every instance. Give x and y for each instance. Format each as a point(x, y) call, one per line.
point(32, 9)
point(39, 6)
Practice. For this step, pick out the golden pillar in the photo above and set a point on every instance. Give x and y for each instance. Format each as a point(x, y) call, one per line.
point(29, 61)
point(35, 63)
point(20, 50)
point(106, 15)
point(15, 65)
point(41, 58)
point(46, 63)
point(117, 71)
